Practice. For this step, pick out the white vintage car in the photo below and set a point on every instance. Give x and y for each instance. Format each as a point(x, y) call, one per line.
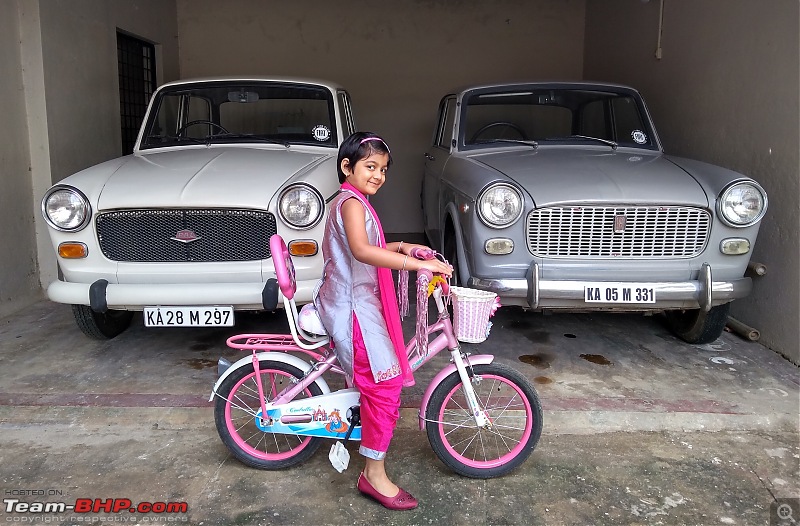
point(180, 229)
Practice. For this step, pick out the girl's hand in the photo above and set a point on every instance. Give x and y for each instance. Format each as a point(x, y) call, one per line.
point(436, 266)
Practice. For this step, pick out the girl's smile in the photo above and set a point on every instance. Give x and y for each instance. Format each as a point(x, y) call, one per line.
point(368, 174)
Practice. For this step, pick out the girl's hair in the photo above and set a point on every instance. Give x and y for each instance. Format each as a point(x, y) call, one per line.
point(360, 145)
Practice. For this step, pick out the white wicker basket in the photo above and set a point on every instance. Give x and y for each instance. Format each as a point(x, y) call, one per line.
point(471, 311)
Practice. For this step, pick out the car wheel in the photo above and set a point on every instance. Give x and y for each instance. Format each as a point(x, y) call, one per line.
point(697, 326)
point(101, 326)
point(451, 254)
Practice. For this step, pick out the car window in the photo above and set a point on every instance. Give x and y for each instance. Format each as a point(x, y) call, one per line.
point(554, 115)
point(346, 110)
point(447, 116)
point(224, 112)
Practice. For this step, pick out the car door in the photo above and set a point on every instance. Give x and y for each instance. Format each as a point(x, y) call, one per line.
point(435, 159)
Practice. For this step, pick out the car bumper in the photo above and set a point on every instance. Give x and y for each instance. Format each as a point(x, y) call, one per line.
point(537, 293)
point(102, 295)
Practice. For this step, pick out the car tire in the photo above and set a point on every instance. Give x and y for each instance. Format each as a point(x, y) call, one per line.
point(451, 254)
point(698, 326)
point(99, 325)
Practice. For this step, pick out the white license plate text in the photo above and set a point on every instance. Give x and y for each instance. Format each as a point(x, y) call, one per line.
point(212, 316)
point(606, 292)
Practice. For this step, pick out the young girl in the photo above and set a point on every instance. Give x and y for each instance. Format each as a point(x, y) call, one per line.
point(358, 307)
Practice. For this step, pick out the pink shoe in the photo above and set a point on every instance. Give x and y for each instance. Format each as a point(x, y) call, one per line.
point(402, 501)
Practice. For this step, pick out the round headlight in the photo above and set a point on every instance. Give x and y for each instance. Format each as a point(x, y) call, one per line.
point(742, 203)
point(301, 206)
point(66, 208)
point(500, 205)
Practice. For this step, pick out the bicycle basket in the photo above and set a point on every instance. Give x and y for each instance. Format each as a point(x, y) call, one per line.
point(471, 311)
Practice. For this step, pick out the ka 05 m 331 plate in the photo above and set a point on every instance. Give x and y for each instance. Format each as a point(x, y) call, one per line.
point(609, 292)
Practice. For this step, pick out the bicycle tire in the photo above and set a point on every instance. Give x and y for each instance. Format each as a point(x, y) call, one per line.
point(513, 407)
point(236, 404)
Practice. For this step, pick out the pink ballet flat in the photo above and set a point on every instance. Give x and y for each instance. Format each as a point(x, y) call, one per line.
point(402, 501)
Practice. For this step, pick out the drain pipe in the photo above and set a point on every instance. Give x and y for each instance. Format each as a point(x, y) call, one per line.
point(743, 330)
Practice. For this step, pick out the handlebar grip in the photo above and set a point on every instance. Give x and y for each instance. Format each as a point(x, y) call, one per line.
point(425, 272)
point(422, 253)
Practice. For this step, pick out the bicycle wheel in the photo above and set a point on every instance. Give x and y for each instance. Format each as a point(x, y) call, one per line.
point(237, 414)
point(513, 408)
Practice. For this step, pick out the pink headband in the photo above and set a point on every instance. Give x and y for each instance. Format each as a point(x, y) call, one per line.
point(375, 139)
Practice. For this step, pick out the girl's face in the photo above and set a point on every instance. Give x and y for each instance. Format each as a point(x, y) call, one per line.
point(368, 174)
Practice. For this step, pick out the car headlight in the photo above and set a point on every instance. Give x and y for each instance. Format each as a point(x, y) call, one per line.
point(499, 205)
point(66, 208)
point(742, 203)
point(301, 206)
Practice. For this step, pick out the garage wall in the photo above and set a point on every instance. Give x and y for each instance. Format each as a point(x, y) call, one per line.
point(397, 60)
point(72, 93)
point(726, 92)
point(19, 280)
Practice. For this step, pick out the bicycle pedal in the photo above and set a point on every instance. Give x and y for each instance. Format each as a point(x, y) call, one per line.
point(339, 457)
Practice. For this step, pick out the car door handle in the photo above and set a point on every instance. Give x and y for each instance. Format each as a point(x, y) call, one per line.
point(430, 157)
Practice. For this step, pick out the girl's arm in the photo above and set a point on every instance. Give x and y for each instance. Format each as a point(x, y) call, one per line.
point(356, 229)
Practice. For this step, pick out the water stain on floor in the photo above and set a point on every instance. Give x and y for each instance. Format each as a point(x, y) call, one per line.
point(201, 363)
point(542, 380)
point(540, 360)
point(596, 358)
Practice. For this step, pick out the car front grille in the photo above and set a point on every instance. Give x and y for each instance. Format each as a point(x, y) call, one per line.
point(181, 235)
point(618, 231)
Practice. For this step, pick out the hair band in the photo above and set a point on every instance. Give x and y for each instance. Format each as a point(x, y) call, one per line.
point(375, 139)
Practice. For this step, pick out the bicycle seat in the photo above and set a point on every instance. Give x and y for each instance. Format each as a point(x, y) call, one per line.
point(308, 319)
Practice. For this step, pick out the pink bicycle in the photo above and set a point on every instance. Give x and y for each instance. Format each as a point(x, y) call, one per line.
point(273, 409)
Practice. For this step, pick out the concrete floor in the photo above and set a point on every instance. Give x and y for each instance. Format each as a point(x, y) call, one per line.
point(639, 428)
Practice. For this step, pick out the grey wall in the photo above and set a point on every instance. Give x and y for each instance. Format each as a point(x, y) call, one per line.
point(19, 279)
point(69, 48)
point(397, 59)
point(726, 91)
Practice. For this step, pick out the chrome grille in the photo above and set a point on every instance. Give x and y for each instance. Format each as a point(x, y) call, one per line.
point(221, 235)
point(589, 231)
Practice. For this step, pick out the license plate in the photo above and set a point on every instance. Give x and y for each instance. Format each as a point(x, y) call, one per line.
point(188, 316)
point(607, 292)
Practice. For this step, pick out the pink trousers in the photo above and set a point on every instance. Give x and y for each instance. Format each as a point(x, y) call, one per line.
point(380, 402)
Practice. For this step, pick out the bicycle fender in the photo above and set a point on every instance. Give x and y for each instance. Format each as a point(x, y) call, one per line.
point(288, 359)
point(478, 359)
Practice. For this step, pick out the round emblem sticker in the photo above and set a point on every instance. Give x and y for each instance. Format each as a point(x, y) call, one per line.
point(321, 132)
point(639, 137)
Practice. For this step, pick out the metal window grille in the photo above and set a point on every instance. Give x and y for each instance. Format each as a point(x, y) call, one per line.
point(136, 60)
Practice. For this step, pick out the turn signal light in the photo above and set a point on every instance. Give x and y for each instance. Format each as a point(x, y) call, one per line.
point(499, 246)
point(72, 250)
point(303, 247)
point(734, 246)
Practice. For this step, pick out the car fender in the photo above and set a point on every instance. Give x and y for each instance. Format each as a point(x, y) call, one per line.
point(288, 359)
point(452, 213)
point(479, 359)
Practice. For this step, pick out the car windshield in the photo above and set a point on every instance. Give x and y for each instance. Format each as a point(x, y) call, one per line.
point(237, 112)
point(529, 117)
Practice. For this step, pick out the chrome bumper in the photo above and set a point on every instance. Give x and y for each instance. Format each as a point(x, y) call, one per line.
point(538, 293)
point(102, 295)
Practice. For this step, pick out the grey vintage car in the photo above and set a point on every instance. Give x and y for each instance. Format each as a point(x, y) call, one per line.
point(559, 196)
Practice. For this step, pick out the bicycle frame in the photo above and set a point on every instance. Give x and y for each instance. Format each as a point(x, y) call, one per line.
point(293, 414)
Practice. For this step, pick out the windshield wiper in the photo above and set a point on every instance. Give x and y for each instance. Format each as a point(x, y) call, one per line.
point(259, 138)
point(604, 141)
point(513, 141)
point(177, 138)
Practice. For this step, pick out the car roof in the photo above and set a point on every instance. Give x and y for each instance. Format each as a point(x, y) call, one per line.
point(574, 84)
point(254, 78)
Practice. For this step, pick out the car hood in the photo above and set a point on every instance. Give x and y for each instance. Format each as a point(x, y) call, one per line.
point(218, 177)
point(564, 175)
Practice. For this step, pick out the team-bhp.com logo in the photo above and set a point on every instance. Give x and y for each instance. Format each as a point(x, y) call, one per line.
point(94, 506)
